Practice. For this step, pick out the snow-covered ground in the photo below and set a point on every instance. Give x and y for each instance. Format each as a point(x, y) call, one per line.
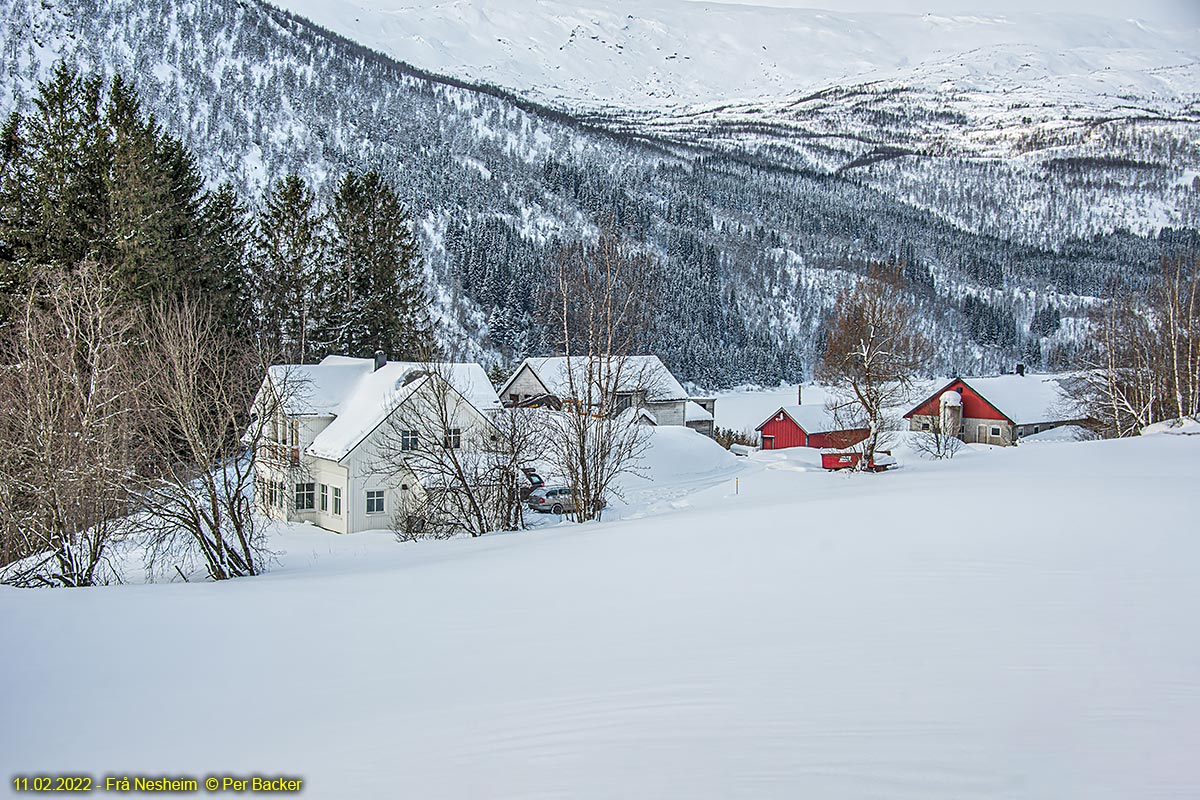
point(1014, 623)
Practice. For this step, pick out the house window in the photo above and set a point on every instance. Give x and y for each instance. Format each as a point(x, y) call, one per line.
point(337, 501)
point(281, 494)
point(453, 439)
point(409, 440)
point(375, 501)
point(305, 495)
point(995, 431)
point(623, 402)
point(324, 497)
point(1036, 428)
point(924, 426)
point(294, 450)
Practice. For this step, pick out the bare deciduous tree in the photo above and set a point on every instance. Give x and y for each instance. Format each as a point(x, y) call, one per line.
point(602, 313)
point(941, 440)
point(874, 352)
point(1144, 363)
point(205, 416)
point(461, 466)
point(68, 446)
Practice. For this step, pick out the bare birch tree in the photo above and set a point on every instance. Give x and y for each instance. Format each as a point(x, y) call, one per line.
point(874, 353)
point(68, 422)
point(1144, 363)
point(602, 315)
point(460, 466)
point(205, 418)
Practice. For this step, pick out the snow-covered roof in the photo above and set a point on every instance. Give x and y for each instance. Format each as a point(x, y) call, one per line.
point(813, 418)
point(1028, 399)
point(694, 412)
point(359, 397)
point(1063, 433)
point(636, 373)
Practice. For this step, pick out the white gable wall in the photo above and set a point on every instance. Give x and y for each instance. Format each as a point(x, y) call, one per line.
point(524, 384)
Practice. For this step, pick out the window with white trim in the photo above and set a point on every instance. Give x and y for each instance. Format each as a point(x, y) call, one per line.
point(452, 439)
point(409, 440)
point(375, 502)
point(305, 495)
point(995, 431)
point(324, 497)
point(337, 501)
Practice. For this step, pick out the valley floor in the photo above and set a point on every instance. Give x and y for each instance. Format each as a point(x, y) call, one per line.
point(1014, 623)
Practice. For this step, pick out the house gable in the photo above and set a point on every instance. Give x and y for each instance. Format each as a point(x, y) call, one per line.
point(975, 405)
point(525, 382)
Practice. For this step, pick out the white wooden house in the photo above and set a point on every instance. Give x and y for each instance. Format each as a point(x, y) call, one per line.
point(640, 382)
point(322, 461)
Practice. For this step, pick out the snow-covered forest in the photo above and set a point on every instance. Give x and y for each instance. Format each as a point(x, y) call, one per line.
point(754, 228)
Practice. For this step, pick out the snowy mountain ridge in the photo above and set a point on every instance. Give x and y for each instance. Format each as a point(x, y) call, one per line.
point(759, 212)
point(674, 54)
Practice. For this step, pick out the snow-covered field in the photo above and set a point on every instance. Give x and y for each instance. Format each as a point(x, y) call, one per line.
point(1015, 623)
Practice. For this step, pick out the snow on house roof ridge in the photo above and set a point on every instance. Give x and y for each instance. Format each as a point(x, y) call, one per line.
point(637, 372)
point(360, 397)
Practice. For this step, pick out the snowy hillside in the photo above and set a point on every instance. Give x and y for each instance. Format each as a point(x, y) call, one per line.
point(923, 107)
point(1013, 623)
point(666, 54)
point(1010, 224)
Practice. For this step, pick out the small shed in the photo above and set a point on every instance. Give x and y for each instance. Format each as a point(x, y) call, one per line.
point(807, 426)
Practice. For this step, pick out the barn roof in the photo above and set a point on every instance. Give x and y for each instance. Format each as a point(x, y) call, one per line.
point(1023, 399)
point(636, 373)
point(812, 419)
point(360, 397)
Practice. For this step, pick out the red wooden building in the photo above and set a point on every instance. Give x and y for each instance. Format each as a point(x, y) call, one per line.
point(806, 426)
point(1001, 409)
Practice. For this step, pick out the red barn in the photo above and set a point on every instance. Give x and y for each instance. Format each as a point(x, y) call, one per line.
point(1001, 409)
point(807, 426)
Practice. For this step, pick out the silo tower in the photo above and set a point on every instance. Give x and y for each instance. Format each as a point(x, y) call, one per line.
point(950, 409)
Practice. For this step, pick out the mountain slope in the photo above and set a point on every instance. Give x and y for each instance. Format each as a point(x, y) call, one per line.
point(755, 240)
point(667, 54)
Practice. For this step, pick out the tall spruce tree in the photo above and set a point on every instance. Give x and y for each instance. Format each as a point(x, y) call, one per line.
point(374, 296)
point(52, 185)
point(222, 271)
point(155, 195)
point(290, 246)
point(87, 175)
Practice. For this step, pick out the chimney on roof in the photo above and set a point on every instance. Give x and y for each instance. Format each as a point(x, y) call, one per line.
point(800, 394)
point(1020, 369)
point(380, 360)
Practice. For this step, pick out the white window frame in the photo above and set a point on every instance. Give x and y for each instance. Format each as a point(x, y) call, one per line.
point(379, 495)
point(309, 493)
point(994, 431)
point(337, 501)
point(324, 501)
point(452, 439)
point(410, 440)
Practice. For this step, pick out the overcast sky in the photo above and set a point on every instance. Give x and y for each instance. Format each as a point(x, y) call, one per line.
point(1179, 11)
